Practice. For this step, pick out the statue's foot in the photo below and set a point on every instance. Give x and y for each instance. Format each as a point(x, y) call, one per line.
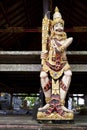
point(44, 107)
point(59, 113)
point(66, 110)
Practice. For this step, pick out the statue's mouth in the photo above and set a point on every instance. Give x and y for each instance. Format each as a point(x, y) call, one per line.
point(58, 30)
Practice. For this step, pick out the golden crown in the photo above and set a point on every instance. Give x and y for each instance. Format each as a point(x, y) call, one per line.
point(57, 18)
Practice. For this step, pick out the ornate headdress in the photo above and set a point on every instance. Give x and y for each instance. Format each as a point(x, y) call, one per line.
point(57, 18)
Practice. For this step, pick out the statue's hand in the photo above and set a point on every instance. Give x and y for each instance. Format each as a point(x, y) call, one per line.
point(44, 55)
point(43, 74)
point(61, 48)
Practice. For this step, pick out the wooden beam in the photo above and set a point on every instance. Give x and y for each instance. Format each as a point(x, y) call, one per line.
point(77, 29)
point(36, 67)
point(38, 29)
point(33, 57)
point(20, 30)
point(38, 52)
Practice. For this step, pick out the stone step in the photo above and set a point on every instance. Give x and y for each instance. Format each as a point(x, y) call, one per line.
point(26, 123)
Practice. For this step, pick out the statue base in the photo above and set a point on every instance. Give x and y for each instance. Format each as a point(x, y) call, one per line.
point(55, 111)
point(55, 117)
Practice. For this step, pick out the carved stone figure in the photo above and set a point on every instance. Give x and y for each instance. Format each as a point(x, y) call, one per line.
point(56, 72)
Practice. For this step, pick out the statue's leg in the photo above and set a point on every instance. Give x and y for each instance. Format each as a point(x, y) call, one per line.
point(53, 110)
point(46, 86)
point(64, 86)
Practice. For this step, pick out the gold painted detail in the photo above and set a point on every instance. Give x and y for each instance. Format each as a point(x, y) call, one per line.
point(55, 74)
point(62, 102)
point(54, 116)
point(47, 99)
point(45, 30)
point(55, 87)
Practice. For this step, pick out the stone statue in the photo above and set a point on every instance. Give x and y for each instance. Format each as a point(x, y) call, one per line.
point(56, 72)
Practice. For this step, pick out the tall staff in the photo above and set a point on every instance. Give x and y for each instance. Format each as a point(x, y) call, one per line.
point(45, 32)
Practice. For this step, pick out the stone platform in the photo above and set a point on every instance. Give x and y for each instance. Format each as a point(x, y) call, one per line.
point(25, 122)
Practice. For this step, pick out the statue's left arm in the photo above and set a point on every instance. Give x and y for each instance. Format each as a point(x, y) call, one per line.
point(68, 41)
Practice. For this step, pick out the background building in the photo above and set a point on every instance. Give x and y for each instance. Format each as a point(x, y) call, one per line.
point(20, 44)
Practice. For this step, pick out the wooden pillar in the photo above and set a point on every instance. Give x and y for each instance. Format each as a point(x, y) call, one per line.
point(11, 105)
point(46, 8)
point(85, 98)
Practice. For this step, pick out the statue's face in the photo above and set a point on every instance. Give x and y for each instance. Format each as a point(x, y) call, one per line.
point(58, 28)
